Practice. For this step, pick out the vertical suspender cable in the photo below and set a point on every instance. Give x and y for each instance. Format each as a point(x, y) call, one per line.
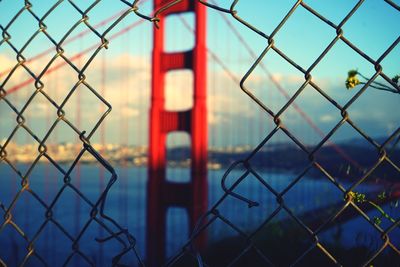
point(78, 148)
point(102, 146)
point(47, 171)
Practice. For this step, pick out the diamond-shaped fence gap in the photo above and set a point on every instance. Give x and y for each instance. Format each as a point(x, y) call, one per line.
point(71, 211)
point(40, 116)
point(79, 109)
point(224, 244)
point(274, 81)
point(19, 88)
point(59, 80)
point(28, 213)
point(283, 241)
point(13, 246)
point(347, 156)
point(46, 180)
point(369, 25)
point(39, 53)
point(12, 9)
point(350, 238)
point(7, 122)
point(313, 199)
point(310, 117)
point(57, 27)
point(24, 21)
point(293, 31)
point(26, 151)
point(260, 123)
point(379, 115)
point(276, 158)
point(332, 71)
point(12, 184)
point(53, 245)
point(177, 229)
point(8, 61)
point(326, 8)
point(386, 175)
point(98, 66)
point(66, 146)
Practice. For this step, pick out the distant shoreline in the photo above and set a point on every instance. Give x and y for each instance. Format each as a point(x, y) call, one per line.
point(357, 160)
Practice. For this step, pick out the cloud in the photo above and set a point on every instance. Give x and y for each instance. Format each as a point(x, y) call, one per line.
point(327, 118)
point(128, 87)
point(129, 112)
point(215, 118)
point(7, 62)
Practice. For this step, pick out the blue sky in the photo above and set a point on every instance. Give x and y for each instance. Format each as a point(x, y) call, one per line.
point(373, 28)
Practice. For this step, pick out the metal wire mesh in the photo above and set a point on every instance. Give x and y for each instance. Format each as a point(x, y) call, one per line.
point(214, 215)
point(350, 198)
point(97, 215)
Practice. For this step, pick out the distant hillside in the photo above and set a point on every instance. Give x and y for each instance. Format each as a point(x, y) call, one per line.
point(346, 161)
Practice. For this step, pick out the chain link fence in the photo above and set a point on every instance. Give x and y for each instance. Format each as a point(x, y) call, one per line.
point(252, 251)
point(112, 230)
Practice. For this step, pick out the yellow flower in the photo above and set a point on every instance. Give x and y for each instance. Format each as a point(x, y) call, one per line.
point(352, 80)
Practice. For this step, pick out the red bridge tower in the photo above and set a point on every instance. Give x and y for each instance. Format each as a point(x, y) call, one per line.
point(162, 193)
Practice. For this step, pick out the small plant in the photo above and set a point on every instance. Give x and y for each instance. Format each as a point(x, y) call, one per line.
point(361, 198)
point(353, 80)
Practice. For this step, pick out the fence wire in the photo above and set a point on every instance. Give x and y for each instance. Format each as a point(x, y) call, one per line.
point(214, 214)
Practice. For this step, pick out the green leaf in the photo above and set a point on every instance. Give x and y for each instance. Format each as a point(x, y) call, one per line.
point(352, 73)
point(396, 79)
point(382, 195)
